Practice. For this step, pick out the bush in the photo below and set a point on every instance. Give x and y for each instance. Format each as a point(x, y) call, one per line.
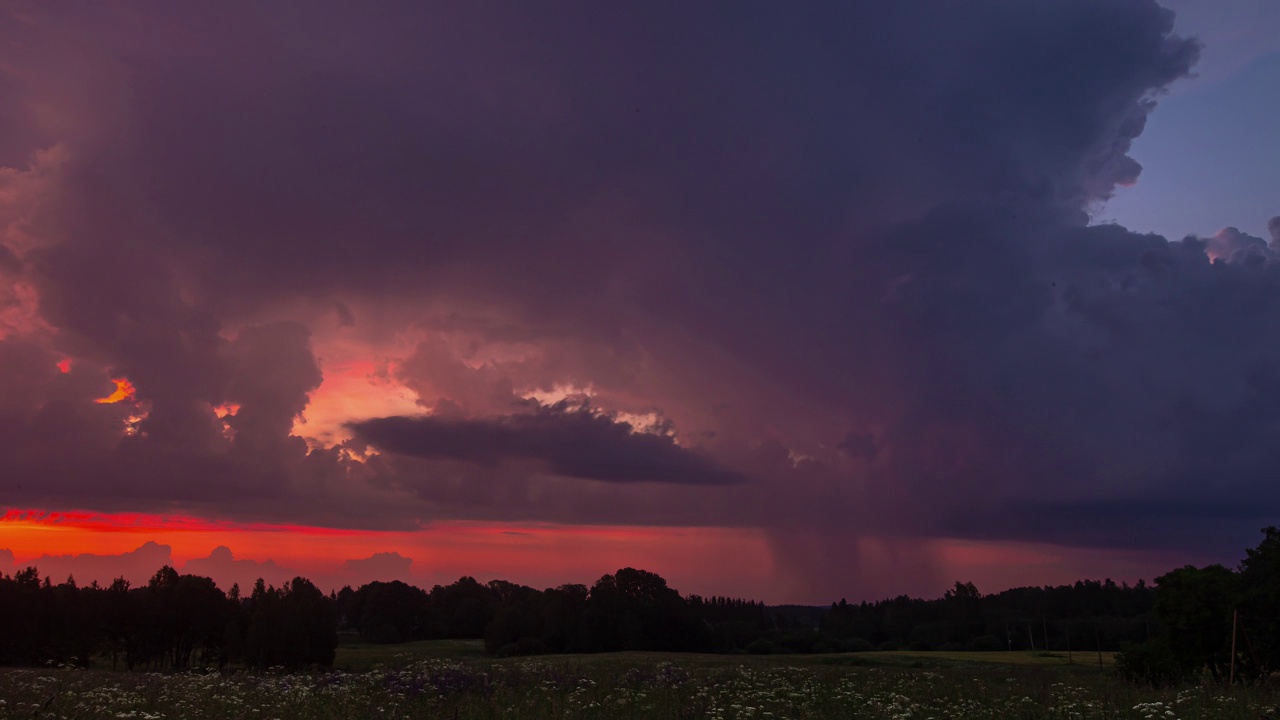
point(523, 646)
point(855, 645)
point(1151, 664)
point(762, 647)
point(987, 643)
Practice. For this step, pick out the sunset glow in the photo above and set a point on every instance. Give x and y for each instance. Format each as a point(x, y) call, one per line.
point(540, 554)
point(124, 391)
point(701, 560)
point(352, 391)
point(226, 410)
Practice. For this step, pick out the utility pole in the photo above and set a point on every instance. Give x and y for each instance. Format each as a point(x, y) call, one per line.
point(1097, 643)
point(1235, 618)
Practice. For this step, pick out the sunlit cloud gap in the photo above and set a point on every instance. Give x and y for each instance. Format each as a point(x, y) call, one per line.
point(124, 391)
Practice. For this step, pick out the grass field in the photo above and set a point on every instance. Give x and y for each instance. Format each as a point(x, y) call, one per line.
point(454, 680)
point(362, 657)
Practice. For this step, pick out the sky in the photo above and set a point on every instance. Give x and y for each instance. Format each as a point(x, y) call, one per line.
point(836, 300)
point(1209, 154)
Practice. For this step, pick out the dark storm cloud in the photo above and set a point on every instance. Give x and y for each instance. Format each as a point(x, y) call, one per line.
point(573, 443)
point(327, 147)
point(859, 445)
point(844, 244)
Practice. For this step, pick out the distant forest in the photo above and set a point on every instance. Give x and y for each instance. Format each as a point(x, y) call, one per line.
point(1180, 626)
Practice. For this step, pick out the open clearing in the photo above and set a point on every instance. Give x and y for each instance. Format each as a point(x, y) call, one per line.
point(454, 680)
point(358, 656)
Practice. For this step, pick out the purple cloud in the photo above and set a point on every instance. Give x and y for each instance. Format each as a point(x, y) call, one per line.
point(841, 250)
point(569, 442)
point(137, 566)
point(383, 566)
point(222, 565)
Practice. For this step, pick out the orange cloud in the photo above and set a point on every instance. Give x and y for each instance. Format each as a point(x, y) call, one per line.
point(226, 410)
point(124, 391)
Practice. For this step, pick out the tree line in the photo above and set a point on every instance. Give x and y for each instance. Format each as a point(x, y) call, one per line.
point(174, 622)
point(1086, 616)
point(181, 621)
point(627, 610)
point(1217, 621)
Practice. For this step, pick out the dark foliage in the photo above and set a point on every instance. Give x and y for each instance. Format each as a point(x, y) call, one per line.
point(1169, 633)
point(636, 610)
point(175, 622)
point(1203, 614)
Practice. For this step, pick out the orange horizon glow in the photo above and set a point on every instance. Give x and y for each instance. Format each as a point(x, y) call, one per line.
point(541, 555)
point(739, 562)
point(124, 391)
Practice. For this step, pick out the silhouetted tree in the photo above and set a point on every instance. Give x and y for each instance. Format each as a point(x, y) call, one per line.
point(311, 630)
point(1194, 607)
point(1260, 602)
point(635, 610)
point(463, 609)
point(387, 612)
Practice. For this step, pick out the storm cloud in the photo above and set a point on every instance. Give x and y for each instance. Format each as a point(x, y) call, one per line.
point(570, 442)
point(840, 254)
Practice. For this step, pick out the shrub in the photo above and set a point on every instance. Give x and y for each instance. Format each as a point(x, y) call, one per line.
point(987, 643)
point(523, 646)
point(855, 645)
point(1152, 663)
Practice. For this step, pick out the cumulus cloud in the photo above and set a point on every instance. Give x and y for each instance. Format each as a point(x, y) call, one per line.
point(383, 566)
point(137, 566)
point(222, 565)
point(1236, 247)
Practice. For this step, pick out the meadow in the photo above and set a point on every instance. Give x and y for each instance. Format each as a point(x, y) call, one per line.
point(454, 680)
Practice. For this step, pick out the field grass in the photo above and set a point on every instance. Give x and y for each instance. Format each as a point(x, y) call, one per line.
point(453, 680)
point(913, 658)
point(355, 656)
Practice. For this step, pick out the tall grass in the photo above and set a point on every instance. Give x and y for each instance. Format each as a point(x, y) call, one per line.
point(623, 686)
